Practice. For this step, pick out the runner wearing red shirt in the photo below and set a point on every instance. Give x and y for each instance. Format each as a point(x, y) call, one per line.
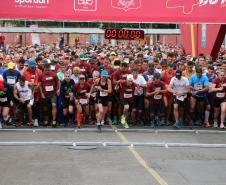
point(32, 75)
point(118, 77)
point(81, 93)
point(126, 91)
point(84, 67)
point(49, 86)
point(92, 99)
point(219, 87)
point(167, 75)
point(156, 92)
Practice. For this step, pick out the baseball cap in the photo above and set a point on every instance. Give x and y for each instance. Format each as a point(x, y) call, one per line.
point(32, 63)
point(157, 76)
point(129, 77)
point(113, 53)
point(104, 74)
point(11, 65)
point(178, 73)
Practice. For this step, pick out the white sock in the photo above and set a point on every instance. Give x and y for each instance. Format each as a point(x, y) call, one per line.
point(207, 114)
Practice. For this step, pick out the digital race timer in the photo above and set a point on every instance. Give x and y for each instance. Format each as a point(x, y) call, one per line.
point(121, 34)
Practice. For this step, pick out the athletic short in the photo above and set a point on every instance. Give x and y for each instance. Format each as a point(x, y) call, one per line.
point(103, 100)
point(200, 99)
point(49, 100)
point(5, 104)
point(217, 102)
point(157, 108)
point(126, 102)
point(66, 102)
point(138, 102)
point(179, 102)
point(23, 106)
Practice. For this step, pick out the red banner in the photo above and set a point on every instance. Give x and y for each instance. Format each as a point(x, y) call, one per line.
point(175, 11)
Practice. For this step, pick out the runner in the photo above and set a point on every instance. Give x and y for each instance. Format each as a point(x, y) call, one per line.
point(127, 89)
point(67, 98)
point(179, 87)
point(49, 86)
point(199, 84)
point(155, 93)
point(81, 93)
point(23, 93)
point(6, 98)
point(104, 88)
point(219, 89)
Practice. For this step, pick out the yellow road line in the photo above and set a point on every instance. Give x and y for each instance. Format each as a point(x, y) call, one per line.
point(142, 162)
point(193, 40)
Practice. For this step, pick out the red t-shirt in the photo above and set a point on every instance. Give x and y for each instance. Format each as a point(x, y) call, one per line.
point(32, 76)
point(84, 67)
point(49, 84)
point(120, 74)
point(126, 91)
point(80, 91)
point(220, 83)
point(2, 39)
point(156, 99)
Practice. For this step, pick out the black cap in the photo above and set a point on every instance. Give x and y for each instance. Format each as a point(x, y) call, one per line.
point(156, 76)
point(179, 73)
point(198, 69)
point(151, 65)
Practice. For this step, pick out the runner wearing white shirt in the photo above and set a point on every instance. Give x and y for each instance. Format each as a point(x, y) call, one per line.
point(138, 105)
point(23, 93)
point(179, 86)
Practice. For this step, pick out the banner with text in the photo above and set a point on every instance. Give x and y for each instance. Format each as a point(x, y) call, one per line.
point(174, 11)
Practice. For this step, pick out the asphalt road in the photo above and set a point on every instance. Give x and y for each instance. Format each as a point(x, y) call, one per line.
point(59, 165)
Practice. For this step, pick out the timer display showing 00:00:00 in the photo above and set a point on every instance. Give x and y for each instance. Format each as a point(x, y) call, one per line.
point(124, 34)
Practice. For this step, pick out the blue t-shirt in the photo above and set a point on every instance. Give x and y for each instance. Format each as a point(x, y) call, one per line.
point(11, 77)
point(199, 83)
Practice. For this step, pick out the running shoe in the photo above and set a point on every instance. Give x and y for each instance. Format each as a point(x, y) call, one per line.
point(36, 123)
point(124, 122)
point(0, 125)
point(152, 124)
point(215, 125)
point(177, 125)
point(54, 124)
point(222, 126)
point(207, 124)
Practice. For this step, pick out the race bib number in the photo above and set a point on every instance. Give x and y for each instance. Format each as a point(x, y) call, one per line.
point(49, 88)
point(198, 86)
point(181, 98)
point(158, 97)
point(224, 85)
point(3, 99)
point(83, 70)
point(83, 101)
point(52, 67)
point(220, 95)
point(11, 81)
point(128, 95)
point(102, 94)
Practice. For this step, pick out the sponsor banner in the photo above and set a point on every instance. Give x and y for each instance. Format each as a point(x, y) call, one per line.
point(203, 36)
point(35, 39)
point(180, 11)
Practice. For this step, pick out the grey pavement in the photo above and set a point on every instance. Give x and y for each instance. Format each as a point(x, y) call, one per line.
point(58, 165)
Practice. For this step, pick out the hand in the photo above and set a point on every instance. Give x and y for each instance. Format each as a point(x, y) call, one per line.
point(88, 95)
point(21, 101)
point(11, 103)
point(221, 88)
point(58, 92)
point(43, 96)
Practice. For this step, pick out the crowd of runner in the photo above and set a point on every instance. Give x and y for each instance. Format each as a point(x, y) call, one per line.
point(128, 85)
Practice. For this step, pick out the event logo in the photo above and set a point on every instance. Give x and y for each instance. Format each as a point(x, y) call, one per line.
point(85, 5)
point(31, 3)
point(188, 6)
point(126, 4)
